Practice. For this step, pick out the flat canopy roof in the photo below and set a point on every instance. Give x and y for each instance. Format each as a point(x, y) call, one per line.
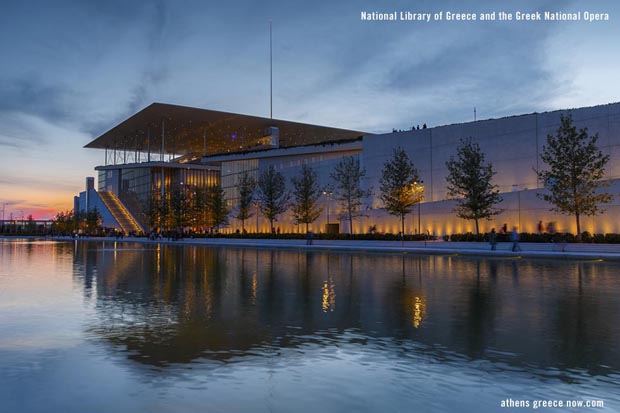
point(185, 128)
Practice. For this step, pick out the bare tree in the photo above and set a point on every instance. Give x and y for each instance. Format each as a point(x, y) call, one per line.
point(306, 195)
point(575, 169)
point(348, 175)
point(470, 183)
point(272, 196)
point(399, 180)
point(247, 186)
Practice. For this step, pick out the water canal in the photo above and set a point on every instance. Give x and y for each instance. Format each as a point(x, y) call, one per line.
point(101, 327)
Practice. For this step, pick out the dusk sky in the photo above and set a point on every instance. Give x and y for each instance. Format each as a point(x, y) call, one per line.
point(72, 70)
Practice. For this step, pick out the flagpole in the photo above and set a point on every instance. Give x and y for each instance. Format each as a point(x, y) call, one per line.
point(270, 71)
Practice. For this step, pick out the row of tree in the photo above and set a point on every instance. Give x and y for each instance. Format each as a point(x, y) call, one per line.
point(68, 222)
point(188, 206)
point(572, 178)
point(273, 199)
point(575, 167)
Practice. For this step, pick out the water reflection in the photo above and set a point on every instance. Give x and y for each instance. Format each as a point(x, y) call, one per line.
point(168, 305)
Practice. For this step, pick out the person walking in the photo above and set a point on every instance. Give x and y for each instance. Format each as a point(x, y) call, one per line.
point(514, 237)
point(493, 239)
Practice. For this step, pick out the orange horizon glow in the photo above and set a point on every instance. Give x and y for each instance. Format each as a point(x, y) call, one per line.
point(42, 206)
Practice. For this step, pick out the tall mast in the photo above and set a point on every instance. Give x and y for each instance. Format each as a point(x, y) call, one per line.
point(270, 71)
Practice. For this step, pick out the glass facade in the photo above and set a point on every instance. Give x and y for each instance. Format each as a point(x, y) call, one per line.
point(231, 173)
point(138, 187)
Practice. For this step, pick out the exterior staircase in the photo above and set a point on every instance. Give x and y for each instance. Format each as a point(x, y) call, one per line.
point(120, 213)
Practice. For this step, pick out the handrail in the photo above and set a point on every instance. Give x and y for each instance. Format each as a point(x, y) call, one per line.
point(124, 218)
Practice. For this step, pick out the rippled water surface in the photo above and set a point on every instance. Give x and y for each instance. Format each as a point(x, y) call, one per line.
point(100, 327)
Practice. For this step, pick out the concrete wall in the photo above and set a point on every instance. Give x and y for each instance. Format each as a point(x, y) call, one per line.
point(94, 201)
point(522, 209)
point(513, 145)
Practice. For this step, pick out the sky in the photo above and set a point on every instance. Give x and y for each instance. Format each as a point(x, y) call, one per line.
point(71, 70)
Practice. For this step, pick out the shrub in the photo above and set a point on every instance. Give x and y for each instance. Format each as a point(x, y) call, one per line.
point(535, 237)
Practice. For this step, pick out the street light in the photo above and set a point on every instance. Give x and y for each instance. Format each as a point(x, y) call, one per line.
point(3, 208)
point(328, 193)
point(417, 188)
point(257, 211)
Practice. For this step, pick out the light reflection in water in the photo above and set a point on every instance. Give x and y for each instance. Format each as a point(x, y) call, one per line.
point(329, 296)
point(251, 296)
point(419, 311)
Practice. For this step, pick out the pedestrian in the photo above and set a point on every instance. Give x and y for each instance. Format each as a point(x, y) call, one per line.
point(514, 237)
point(309, 237)
point(493, 239)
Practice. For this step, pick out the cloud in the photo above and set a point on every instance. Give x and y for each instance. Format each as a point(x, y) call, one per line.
point(38, 183)
point(73, 70)
point(10, 143)
point(35, 97)
point(21, 130)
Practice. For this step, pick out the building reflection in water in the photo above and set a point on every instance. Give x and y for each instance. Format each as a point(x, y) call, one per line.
point(175, 304)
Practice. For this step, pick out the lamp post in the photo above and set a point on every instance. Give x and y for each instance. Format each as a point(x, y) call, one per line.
point(418, 193)
point(3, 208)
point(257, 210)
point(517, 188)
point(419, 217)
point(328, 193)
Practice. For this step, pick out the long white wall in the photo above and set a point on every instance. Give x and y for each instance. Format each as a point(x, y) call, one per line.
point(513, 145)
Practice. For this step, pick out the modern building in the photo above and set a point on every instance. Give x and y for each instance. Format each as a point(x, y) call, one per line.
point(164, 149)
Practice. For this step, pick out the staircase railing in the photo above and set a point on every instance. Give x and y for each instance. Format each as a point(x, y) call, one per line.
point(124, 218)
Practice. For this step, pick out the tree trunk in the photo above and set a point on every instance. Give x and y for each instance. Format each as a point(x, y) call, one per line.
point(578, 226)
point(242, 225)
point(402, 229)
point(350, 223)
point(477, 230)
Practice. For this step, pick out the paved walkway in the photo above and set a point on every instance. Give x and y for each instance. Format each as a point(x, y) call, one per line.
point(531, 250)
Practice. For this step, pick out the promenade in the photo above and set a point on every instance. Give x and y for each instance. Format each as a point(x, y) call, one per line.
point(608, 252)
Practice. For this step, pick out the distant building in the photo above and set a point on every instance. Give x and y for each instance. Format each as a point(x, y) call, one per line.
point(167, 148)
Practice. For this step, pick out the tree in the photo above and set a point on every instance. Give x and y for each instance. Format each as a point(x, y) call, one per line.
point(178, 208)
point(247, 186)
point(200, 207)
point(575, 169)
point(470, 183)
point(272, 195)
point(64, 222)
point(31, 226)
point(399, 179)
point(157, 211)
point(306, 195)
point(93, 220)
point(151, 211)
point(218, 207)
point(348, 175)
